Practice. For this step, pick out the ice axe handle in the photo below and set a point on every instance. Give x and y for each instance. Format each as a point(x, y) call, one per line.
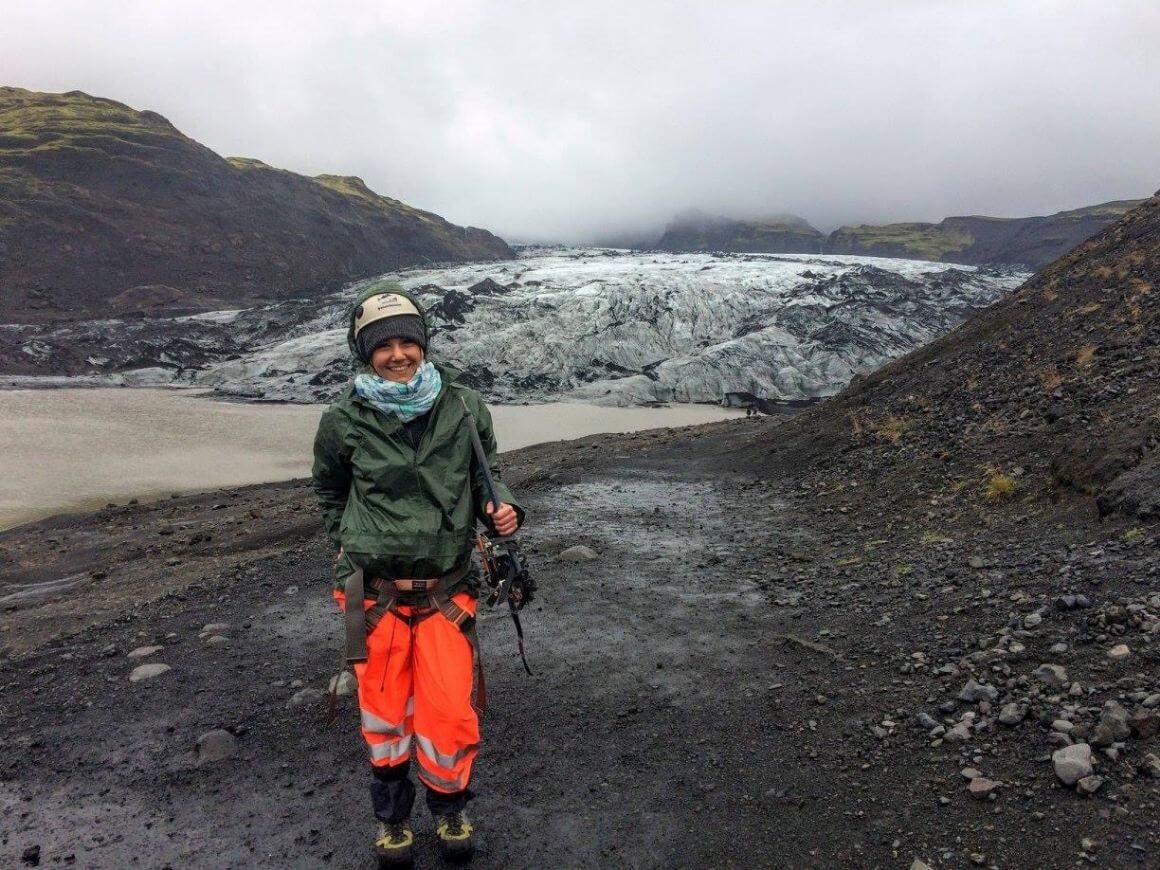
point(477, 445)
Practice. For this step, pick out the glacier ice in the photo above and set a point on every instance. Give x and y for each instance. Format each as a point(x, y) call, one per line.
point(629, 328)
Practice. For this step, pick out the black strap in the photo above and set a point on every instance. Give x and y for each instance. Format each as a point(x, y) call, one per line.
point(355, 617)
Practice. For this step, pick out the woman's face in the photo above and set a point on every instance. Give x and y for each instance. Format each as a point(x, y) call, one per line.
point(397, 360)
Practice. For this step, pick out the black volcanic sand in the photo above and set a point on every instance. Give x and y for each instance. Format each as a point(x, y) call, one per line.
point(736, 679)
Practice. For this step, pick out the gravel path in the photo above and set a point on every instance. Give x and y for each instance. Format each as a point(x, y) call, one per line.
point(723, 685)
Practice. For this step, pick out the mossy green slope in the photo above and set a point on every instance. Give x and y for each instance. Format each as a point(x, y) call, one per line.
point(97, 198)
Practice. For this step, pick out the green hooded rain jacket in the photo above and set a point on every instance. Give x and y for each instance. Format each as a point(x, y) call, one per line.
point(394, 510)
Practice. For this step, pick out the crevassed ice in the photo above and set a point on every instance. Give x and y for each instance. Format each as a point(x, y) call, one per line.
point(624, 328)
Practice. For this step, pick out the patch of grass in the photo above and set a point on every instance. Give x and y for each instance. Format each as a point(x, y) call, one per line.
point(929, 539)
point(919, 240)
point(1134, 536)
point(1052, 380)
point(893, 428)
point(849, 560)
point(1085, 355)
point(1000, 487)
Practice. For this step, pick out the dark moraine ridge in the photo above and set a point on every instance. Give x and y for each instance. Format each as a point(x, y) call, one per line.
point(105, 208)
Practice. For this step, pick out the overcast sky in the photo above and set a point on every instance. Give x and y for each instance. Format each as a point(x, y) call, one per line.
point(562, 119)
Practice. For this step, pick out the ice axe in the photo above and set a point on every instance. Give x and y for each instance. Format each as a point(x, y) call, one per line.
point(507, 572)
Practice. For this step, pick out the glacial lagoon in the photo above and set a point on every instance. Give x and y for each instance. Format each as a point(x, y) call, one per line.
point(78, 449)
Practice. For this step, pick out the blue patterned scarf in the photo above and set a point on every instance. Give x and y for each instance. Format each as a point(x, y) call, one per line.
point(406, 401)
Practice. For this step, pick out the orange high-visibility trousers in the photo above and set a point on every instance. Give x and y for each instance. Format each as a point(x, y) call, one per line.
point(416, 694)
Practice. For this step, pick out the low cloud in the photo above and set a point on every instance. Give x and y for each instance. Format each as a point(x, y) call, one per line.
point(568, 120)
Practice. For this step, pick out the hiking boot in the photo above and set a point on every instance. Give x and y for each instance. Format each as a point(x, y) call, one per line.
point(393, 843)
point(455, 835)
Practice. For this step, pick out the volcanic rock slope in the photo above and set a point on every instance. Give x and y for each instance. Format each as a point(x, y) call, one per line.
point(103, 208)
point(1053, 390)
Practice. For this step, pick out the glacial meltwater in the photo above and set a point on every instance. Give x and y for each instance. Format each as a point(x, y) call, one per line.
point(77, 449)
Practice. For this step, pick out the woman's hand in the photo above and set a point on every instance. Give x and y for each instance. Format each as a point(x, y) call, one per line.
point(505, 519)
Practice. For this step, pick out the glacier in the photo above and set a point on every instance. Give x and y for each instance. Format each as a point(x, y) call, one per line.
point(615, 327)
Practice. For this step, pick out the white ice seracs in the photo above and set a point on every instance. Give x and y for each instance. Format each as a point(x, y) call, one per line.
point(624, 328)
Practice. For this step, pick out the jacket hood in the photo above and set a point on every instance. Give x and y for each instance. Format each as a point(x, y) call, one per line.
point(374, 290)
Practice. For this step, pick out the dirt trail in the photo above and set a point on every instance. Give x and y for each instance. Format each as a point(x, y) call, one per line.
point(705, 693)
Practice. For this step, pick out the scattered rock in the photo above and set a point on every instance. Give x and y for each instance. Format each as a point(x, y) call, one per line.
point(579, 553)
point(1072, 763)
point(148, 672)
point(981, 788)
point(1145, 723)
point(305, 697)
point(343, 684)
point(1119, 652)
point(973, 692)
point(1053, 676)
point(1115, 718)
point(1089, 784)
point(143, 651)
point(216, 745)
point(958, 734)
point(1012, 714)
point(1032, 620)
point(1151, 765)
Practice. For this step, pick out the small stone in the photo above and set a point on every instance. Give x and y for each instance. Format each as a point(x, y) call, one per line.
point(1089, 784)
point(926, 722)
point(343, 684)
point(958, 734)
point(579, 553)
point(148, 672)
point(1119, 652)
point(216, 745)
point(215, 628)
point(1053, 676)
point(217, 640)
point(974, 691)
point(1151, 765)
point(981, 788)
point(1072, 763)
point(290, 590)
point(304, 697)
point(1145, 723)
point(916, 864)
point(1032, 620)
point(1058, 649)
point(143, 651)
point(1062, 726)
point(970, 773)
point(1115, 718)
point(978, 858)
point(1012, 714)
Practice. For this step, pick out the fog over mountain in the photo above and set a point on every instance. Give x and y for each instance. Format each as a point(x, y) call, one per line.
point(573, 120)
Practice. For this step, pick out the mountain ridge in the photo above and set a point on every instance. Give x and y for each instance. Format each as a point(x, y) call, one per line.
point(971, 240)
point(98, 200)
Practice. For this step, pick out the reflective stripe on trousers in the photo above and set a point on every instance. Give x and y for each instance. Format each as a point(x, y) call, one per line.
point(417, 686)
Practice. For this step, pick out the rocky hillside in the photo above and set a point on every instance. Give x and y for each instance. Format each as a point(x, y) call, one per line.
point(974, 240)
point(104, 207)
point(1031, 241)
point(1051, 392)
point(781, 234)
